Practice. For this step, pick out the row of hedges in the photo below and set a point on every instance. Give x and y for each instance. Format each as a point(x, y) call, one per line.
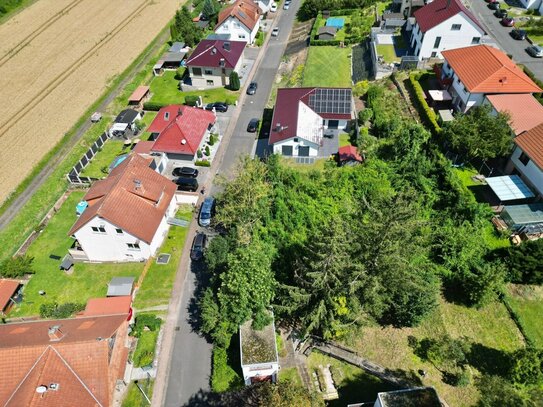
point(427, 114)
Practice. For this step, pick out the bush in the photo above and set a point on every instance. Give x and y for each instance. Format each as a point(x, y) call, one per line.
point(179, 72)
point(234, 81)
point(213, 138)
point(199, 153)
point(149, 321)
point(207, 151)
point(365, 115)
point(55, 311)
point(223, 377)
point(153, 106)
point(427, 114)
point(259, 40)
point(191, 100)
point(202, 163)
point(16, 266)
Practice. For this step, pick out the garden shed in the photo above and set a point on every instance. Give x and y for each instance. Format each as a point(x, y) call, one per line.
point(120, 286)
point(517, 216)
point(327, 33)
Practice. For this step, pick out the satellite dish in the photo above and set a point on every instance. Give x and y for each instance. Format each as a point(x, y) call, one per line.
point(41, 389)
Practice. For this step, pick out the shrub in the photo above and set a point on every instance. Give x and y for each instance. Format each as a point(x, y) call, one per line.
point(365, 115)
point(202, 163)
point(234, 81)
point(191, 100)
point(199, 153)
point(427, 114)
point(16, 266)
point(213, 138)
point(153, 106)
point(56, 311)
point(259, 41)
point(360, 88)
point(149, 321)
point(179, 72)
point(207, 151)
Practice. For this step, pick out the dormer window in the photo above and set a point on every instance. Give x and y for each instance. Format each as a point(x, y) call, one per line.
point(166, 115)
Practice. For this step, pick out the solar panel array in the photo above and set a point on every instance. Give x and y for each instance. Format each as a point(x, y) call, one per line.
point(337, 101)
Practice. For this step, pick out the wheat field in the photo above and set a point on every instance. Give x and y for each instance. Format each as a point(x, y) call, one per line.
point(56, 59)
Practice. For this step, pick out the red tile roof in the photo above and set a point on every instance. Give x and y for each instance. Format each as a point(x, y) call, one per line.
point(108, 306)
point(180, 133)
point(245, 11)
point(285, 112)
point(136, 208)
point(143, 147)
point(438, 11)
point(7, 290)
point(209, 53)
point(524, 110)
point(485, 69)
point(349, 153)
point(139, 94)
point(531, 142)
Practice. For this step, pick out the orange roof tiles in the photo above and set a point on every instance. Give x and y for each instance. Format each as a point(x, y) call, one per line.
point(133, 197)
point(245, 11)
point(524, 110)
point(108, 306)
point(7, 289)
point(139, 94)
point(485, 69)
point(531, 142)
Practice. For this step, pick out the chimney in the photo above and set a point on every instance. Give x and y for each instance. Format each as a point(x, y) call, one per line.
point(55, 334)
point(278, 127)
point(226, 46)
point(183, 141)
point(221, 63)
point(179, 112)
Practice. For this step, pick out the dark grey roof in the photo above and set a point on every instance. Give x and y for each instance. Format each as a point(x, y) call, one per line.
point(173, 56)
point(219, 37)
point(202, 24)
point(417, 397)
point(393, 16)
point(127, 116)
point(177, 47)
point(327, 30)
point(120, 286)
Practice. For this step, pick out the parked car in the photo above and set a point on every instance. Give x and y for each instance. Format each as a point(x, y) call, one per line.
point(252, 127)
point(251, 89)
point(219, 106)
point(286, 5)
point(273, 7)
point(188, 172)
point(275, 32)
point(207, 210)
point(494, 6)
point(198, 246)
point(535, 51)
point(186, 184)
point(518, 34)
point(500, 13)
point(491, 1)
point(508, 21)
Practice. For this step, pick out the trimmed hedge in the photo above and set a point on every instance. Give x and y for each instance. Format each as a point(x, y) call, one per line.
point(153, 106)
point(427, 114)
point(202, 163)
point(191, 100)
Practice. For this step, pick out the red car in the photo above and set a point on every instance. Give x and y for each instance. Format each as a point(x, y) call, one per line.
point(508, 22)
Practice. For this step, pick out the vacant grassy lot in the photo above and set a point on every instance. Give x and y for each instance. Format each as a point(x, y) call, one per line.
point(157, 285)
point(328, 66)
point(165, 91)
point(490, 330)
point(86, 281)
point(98, 167)
point(527, 302)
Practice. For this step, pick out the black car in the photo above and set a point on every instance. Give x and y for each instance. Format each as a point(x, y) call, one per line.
point(252, 127)
point(218, 106)
point(251, 90)
point(187, 184)
point(188, 172)
point(494, 6)
point(518, 34)
point(500, 13)
point(198, 246)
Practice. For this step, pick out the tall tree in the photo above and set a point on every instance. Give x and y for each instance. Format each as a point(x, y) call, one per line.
point(183, 29)
point(210, 9)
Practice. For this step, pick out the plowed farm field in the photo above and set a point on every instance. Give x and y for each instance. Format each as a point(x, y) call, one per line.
point(56, 59)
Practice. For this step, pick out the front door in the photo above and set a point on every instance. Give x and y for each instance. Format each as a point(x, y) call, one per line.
point(303, 151)
point(286, 150)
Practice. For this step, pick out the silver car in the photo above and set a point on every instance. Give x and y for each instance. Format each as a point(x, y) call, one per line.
point(535, 50)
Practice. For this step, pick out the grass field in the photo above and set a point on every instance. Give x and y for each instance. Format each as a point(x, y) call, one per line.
point(87, 281)
point(527, 303)
point(97, 168)
point(165, 91)
point(157, 285)
point(328, 66)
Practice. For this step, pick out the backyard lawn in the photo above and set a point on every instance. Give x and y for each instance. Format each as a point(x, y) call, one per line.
point(527, 302)
point(98, 167)
point(134, 397)
point(165, 91)
point(157, 285)
point(388, 53)
point(328, 66)
point(145, 350)
point(344, 140)
point(87, 280)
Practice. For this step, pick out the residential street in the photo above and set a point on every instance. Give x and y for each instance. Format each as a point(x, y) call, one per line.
point(190, 359)
point(502, 37)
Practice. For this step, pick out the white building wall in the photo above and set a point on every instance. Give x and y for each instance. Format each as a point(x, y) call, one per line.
point(162, 230)
point(450, 39)
point(463, 100)
point(237, 31)
point(261, 370)
point(313, 148)
point(530, 172)
point(532, 4)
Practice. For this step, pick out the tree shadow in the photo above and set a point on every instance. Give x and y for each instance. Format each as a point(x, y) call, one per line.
point(488, 360)
point(202, 281)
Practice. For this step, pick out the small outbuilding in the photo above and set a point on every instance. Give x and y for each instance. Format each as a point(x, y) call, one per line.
point(518, 216)
point(348, 155)
point(120, 286)
point(327, 33)
point(139, 96)
point(9, 291)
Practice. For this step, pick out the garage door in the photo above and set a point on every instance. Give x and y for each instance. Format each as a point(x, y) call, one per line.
point(333, 124)
point(286, 150)
point(303, 151)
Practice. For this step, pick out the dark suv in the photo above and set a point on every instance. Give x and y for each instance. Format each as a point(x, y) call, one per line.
point(198, 246)
point(186, 184)
point(251, 90)
point(185, 172)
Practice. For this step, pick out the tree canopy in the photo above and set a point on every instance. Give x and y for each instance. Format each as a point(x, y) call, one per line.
point(183, 29)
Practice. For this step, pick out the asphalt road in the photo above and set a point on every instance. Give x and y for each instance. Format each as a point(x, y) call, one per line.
point(504, 39)
point(190, 362)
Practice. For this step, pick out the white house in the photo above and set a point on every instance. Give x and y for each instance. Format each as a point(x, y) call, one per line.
point(303, 116)
point(124, 217)
point(212, 62)
point(470, 73)
point(264, 5)
point(527, 158)
point(441, 25)
point(241, 20)
point(258, 353)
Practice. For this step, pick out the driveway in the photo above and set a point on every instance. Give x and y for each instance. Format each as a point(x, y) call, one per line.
point(504, 39)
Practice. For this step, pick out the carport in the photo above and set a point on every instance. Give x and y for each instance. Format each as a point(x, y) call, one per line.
point(509, 188)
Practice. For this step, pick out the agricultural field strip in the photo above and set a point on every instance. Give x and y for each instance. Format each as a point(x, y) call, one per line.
point(28, 140)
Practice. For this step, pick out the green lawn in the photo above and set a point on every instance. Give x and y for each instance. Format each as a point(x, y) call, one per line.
point(134, 397)
point(165, 91)
point(226, 370)
point(527, 302)
point(344, 140)
point(388, 53)
point(290, 374)
point(157, 285)
point(145, 350)
point(98, 167)
point(87, 280)
point(328, 66)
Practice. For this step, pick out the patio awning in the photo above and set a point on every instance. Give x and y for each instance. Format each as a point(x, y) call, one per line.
point(509, 188)
point(446, 115)
point(439, 95)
